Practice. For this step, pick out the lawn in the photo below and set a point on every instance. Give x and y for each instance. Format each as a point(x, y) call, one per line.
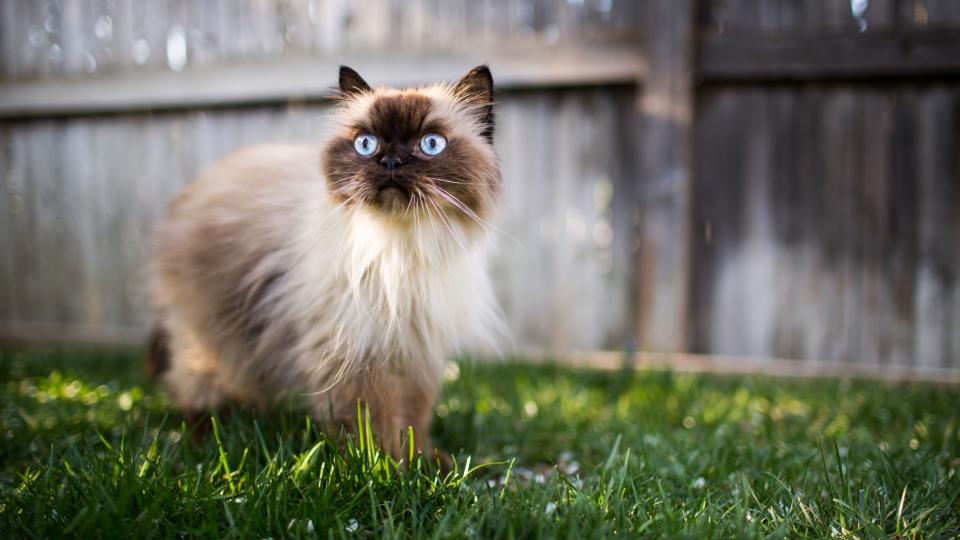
point(89, 448)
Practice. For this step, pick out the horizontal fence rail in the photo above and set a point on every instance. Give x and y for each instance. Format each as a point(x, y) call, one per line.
point(310, 79)
point(927, 52)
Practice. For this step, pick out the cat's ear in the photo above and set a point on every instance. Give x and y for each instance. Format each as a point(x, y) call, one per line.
point(476, 89)
point(351, 83)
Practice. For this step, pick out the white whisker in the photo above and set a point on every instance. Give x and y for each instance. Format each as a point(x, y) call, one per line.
point(471, 214)
point(444, 219)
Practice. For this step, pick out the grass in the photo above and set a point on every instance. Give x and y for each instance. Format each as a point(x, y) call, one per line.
point(88, 448)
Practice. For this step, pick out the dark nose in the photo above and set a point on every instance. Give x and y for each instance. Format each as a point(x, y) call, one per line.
point(391, 162)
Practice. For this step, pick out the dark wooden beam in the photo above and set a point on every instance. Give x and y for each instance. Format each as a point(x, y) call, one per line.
point(929, 52)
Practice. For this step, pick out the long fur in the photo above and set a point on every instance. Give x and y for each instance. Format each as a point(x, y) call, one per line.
point(280, 272)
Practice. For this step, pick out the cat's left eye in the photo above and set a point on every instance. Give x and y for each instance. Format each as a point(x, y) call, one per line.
point(432, 144)
point(365, 144)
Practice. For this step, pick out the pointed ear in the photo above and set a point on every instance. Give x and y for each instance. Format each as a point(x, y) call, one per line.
point(351, 83)
point(476, 88)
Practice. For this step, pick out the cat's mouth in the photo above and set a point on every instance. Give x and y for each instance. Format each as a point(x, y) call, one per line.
point(392, 196)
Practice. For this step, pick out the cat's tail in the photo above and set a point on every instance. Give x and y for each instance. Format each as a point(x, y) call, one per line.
point(157, 360)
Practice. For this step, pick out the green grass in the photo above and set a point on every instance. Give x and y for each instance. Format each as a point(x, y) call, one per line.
point(89, 448)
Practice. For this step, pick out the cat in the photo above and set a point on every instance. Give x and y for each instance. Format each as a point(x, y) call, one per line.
point(348, 275)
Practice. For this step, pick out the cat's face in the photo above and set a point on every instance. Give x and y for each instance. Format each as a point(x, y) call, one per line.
point(418, 153)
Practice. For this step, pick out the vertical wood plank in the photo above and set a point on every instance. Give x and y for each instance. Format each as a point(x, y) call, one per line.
point(8, 39)
point(8, 191)
point(20, 227)
point(954, 350)
point(810, 175)
point(666, 109)
point(937, 263)
point(881, 14)
point(718, 225)
point(904, 208)
point(786, 211)
point(873, 344)
point(77, 136)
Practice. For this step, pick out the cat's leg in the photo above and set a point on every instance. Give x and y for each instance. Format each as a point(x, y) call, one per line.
point(393, 404)
point(416, 396)
point(193, 379)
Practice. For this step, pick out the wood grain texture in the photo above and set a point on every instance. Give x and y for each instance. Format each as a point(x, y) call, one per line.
point(99, 37)
point(825, 224)
point(299, 79)
point(92, 188)
point(666, 111)
point(927, 52)
point(750, 179)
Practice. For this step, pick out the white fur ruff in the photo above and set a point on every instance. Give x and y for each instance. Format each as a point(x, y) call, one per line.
point(369, 293)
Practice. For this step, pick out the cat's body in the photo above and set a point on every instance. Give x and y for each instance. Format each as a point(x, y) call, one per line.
point(335, 275)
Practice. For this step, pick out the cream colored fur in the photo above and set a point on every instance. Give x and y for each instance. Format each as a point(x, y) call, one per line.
point(269, 288)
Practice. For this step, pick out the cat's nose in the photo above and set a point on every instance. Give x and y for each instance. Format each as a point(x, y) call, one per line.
point(391, 162)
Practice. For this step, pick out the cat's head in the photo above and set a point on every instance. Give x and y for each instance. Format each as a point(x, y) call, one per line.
point(410, 154)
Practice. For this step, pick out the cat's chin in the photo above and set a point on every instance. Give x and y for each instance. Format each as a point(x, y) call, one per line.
point(393, 201)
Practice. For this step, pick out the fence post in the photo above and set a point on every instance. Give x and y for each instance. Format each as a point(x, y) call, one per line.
point(663, 194)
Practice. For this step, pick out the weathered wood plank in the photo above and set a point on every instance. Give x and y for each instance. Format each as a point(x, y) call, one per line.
point(738, 275)
point(954, 224)
point(937, 266)
point(862, 207)
point(904, 207)
point(717, 216)
point(790, 308)
point(667, 110)
point(751, 16)
point(810, 173)
point(9, 201)
point(23, 227)
point(872, 216)
point(75, 151)
point(926, 52)
point(51, 245)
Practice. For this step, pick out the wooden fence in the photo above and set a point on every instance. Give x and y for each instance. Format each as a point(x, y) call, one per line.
point(826, 193)
point(773, 179)
point(110, 108)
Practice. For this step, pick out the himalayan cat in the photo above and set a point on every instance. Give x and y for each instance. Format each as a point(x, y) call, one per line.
point(347, 274)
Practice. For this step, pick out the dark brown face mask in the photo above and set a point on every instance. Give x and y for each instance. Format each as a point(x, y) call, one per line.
point(404, 153)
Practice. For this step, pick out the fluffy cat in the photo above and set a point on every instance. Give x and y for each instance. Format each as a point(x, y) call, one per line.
point(345, 275)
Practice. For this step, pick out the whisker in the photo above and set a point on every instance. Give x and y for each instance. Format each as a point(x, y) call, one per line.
point(457, 203)
point(409, 202)
point(416, 218)
point(433, 228)
point(470, 213)
point(342, 190)
point(445, 220)
point(444, 180)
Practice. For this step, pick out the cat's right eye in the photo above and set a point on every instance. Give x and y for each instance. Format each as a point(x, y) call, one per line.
point(366, 144)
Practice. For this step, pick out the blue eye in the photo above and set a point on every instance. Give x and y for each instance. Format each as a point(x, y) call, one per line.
point(432, 144)
point(366, 144)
